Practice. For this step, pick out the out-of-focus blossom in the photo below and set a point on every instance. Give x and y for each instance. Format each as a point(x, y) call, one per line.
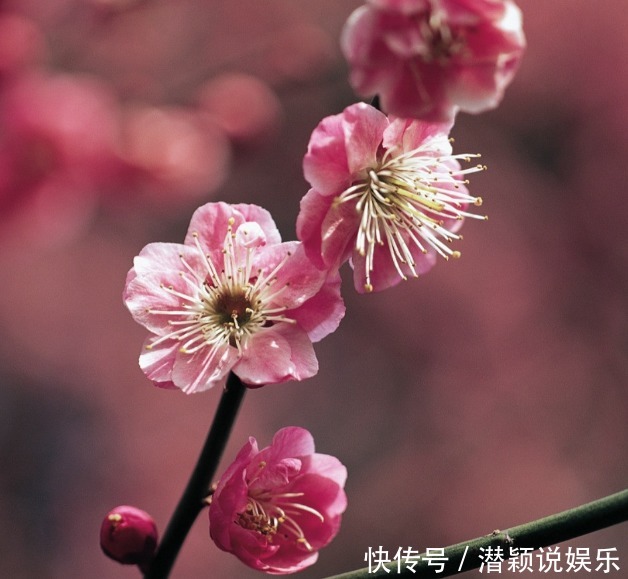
point(22, 44)
point(299, 53)
point(232, 297)
point(129, 535)
point(243, 106)
point(170, 155)
point(57, 146)
point(387, 194)
point(275, 508)
point(428, 59)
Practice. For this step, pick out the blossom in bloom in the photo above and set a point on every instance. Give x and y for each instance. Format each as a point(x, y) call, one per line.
point(275, 508)
point(231, 297)
point(428, 59)
point(129, 535)
point(388, 194)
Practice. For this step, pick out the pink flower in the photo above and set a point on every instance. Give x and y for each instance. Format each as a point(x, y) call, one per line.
point(232, 297)
point(170, 156)
point(57, 144)
point(428, 58)
point(275, 508)
point(387, 194)
point(129, 535)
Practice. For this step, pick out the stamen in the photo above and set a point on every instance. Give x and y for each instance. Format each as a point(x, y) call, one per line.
point(269, 514)
point(223, 304)
point(405, 203)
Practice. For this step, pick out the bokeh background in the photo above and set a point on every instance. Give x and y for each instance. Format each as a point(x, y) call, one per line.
point(490, 392)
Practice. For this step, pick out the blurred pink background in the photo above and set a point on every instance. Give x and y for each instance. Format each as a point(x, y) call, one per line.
point(488, 393)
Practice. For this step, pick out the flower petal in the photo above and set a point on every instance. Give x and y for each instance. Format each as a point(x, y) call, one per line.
point(278, 354)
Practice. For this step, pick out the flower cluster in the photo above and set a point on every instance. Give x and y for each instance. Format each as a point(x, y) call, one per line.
point(275, 508)
point(388, 196)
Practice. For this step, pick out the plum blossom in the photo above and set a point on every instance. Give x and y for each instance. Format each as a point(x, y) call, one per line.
point(231, 297)
point(171, 157)
point(387, 194)
point(428, 59)
point(275, 508)
point(57, 151)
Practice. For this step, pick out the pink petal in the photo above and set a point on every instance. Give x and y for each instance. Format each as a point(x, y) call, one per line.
point(158, 267)
point(321, 315)
point(298, 277)
point(339, 232)
point(327, 466)
point(325, 164)
point(314, 208)
point(211, 221)
point(157, 362)
point(203, 369)
point(407, 135)
point(280, 353)
point(292, 441)
point(363, 127)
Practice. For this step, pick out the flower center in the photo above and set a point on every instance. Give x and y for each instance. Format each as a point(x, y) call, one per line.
point(231, 311)
point(410, 202)
point(233, 308)
point(272, 513)
point(223, 304)
point(264, 515)
point(441, 42)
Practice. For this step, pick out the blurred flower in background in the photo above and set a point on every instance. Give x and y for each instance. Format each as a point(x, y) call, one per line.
point(494, 391)
point(428, 59)
point(56, 150)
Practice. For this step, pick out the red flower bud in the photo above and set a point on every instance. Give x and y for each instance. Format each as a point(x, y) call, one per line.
point(129, 535)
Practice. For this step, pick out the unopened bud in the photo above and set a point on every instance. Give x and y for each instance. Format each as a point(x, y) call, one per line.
point(129, 535)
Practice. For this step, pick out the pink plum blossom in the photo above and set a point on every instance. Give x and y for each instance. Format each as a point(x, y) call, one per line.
point(22, 44)
point(243, 106)
point(428, 59)
point(231, 297)
point(170, 155)
point(387, 194)
point(57, 151)
point(275, 508)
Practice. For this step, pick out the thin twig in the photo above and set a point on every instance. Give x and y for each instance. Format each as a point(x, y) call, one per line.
point(192, 500)
point(550, 530)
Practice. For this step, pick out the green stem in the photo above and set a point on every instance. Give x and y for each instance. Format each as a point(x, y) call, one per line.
point(541, 533)
point(192, 501)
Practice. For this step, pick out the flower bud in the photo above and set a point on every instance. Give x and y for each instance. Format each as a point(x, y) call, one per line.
point(129, 535)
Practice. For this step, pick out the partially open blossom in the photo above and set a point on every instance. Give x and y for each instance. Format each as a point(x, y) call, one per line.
point(275, 508)
point(428, 59)
point(388, 194)
point(232, 297)
point(129, 535)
